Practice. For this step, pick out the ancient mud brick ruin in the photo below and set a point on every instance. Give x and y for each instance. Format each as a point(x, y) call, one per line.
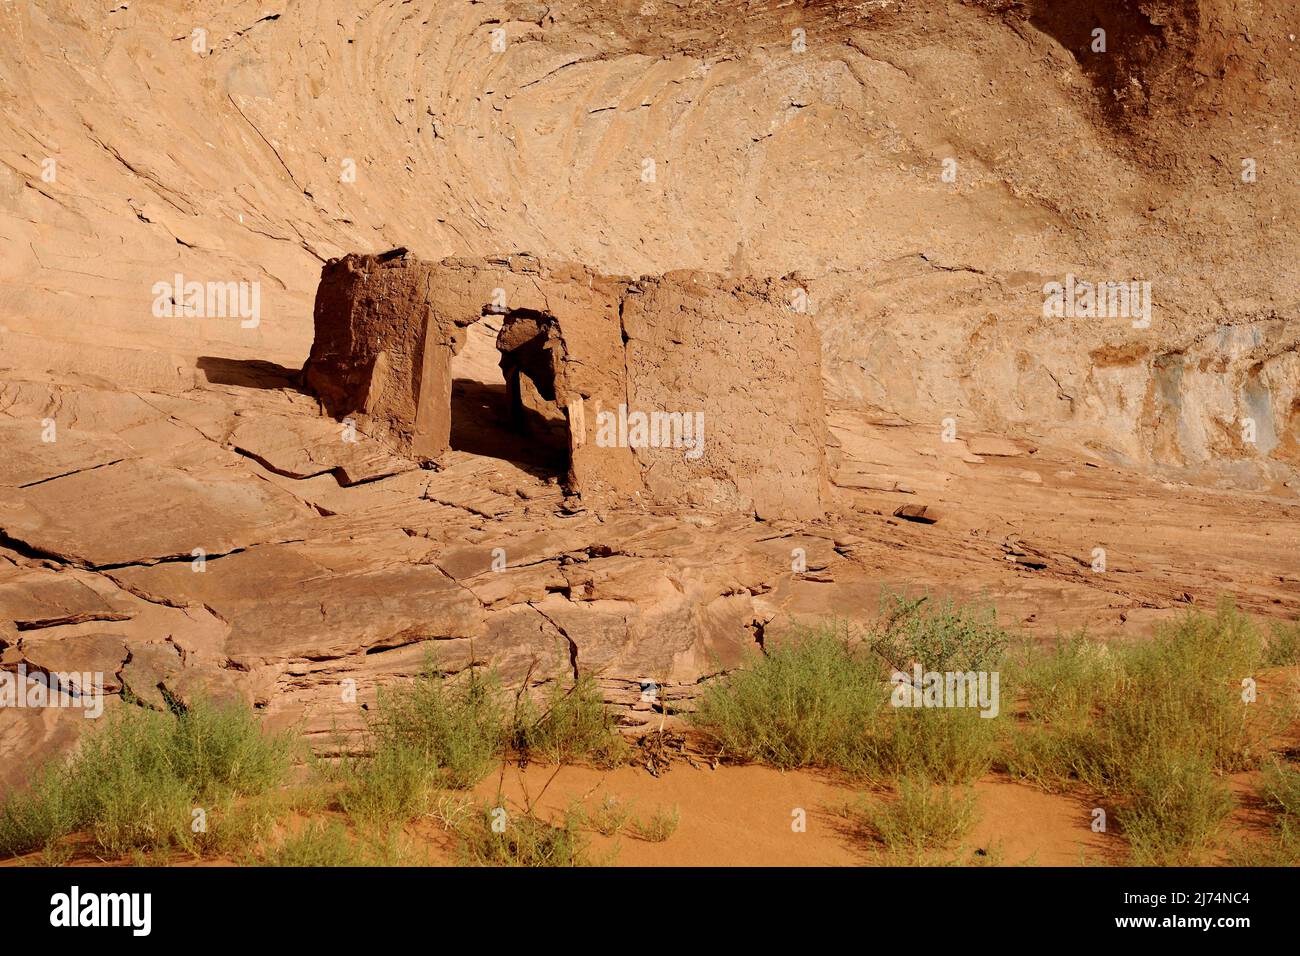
point(686, 389)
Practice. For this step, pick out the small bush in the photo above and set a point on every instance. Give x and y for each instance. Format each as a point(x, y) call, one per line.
point(1280, 789)
point(922, 817)
point(1152, 725)
point(393, 785)
point(1282, 848)
point(1283, 646)
point(659, 827)
point(821, 699)
point(525, 839)
point(1175, 806)
point(1182, 691)
point(940, 636)
point(328, 843)
point(222, 749)
point(948, 745)
point(456, 727)
point(610, 817)
point(573, 725)
point(807, 703)
point(317, 844)
point(1064, 686)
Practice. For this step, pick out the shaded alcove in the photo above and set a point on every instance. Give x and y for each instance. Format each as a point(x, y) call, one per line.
point(482, 423)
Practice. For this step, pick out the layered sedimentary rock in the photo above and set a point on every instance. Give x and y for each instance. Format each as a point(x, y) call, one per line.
point(688, 388)
point(330, 561)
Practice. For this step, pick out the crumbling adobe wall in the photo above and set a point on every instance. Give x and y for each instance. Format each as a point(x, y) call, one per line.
point(734, 352)
point(581, 308)
point(382, 354)
point(688, 389)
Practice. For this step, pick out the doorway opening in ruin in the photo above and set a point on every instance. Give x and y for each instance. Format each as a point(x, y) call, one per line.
point(509, 413)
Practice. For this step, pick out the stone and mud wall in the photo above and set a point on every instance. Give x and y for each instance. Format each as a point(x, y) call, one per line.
point(682, 389)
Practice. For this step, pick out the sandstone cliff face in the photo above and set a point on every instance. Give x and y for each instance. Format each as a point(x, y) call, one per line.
point(638, 138)
point(177, 514)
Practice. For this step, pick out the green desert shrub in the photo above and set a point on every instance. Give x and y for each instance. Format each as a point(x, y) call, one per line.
point(394, 784)
point(611, 816)
point(1283, 646)
point(571, 724)
point(948, 745)
point(1152, 724)
point(659, 826)
point(1174, 806)
point(492, 836)
point(939, 635)
point(319, 843)
point(822, 698)
point(329, 843)
point(435, 732)
point(921, 817)
point(808, 702)
point(137, 781)
point(456, 726)
point(1280, 789)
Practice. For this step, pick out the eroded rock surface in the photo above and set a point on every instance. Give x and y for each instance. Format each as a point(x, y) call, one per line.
point(176, 512)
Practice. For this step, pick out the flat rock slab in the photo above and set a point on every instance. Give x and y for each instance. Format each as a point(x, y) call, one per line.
point(134, 511)
point(58, 652)
point(288, 601)
point(32, 459)
point(301, 447)
point(922, 514)
point(34, 597)
point(994, 446)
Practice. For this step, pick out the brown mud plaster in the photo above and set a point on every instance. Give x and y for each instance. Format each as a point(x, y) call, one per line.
point(688, 388)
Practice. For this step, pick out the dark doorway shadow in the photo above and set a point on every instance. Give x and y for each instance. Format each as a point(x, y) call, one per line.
point(248, 373)
point(479, 417)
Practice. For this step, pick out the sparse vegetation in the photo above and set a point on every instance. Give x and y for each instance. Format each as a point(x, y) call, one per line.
point(573, 724)
point(394, 784)
point(1280, 791)
point(922, 817)
point(659, 826)
point(821, 698)
point(948, 745)
point(808, 702)
point(447, 733)
point(320, 843)
point(610, 817)
point(1173, 807)
point(1283, 647)
point(435, 732)
point(940, 635)
point(329, 843)
point(493, 836)
point(153, 781)
point(456, 726)
point(1150, 727)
